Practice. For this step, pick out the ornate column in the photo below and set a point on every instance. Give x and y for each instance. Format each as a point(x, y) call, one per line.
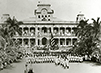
point(36, 41)
point(59, 31)
point(65, 31)
point(52, 29)
point(29, 42)
point(71, 41)
point(28, 31)
point(22, 30)
point(71, 30)
point(36, 35)
point(59, 41)
point(40, 41)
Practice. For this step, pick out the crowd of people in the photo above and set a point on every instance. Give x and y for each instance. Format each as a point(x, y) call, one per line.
point(58, 59)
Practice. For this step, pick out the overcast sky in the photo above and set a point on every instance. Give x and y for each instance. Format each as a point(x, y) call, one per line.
point(64, 9)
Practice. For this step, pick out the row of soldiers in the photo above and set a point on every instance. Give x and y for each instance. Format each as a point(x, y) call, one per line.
point(51, 58)
point(41, 59)
point(75, 58)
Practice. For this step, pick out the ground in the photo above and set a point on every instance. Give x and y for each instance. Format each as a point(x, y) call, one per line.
point(85, 67)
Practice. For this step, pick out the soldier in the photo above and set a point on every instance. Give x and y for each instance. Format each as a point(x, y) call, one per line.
point(56, 61)
point(67, 63)
point(26, 70)
point(81, 59)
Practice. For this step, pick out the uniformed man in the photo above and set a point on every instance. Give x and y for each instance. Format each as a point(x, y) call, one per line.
point(26, 70)
point(56, 61)
point(67, 63)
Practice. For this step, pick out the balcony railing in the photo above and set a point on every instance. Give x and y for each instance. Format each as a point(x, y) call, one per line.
point(44, 34)
point(69, 34)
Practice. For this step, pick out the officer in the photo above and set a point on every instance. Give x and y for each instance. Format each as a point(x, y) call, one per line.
point(67, 63)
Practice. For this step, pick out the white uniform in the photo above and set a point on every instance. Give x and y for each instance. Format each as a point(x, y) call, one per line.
point(56, 61)
point(81, 59)
point(67, 63)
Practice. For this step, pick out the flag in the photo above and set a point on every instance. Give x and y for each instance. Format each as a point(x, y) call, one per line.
point(53, 43)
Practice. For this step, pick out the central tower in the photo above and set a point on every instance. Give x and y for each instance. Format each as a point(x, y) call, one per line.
point(43, 12)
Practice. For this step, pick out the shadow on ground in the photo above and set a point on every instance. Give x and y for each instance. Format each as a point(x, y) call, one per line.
point(93, 63)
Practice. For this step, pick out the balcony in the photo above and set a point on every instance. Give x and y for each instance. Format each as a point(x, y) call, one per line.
point(44, 34)
point(64, 35)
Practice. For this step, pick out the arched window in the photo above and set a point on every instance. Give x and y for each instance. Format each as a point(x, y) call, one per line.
point(38, 16)
point(44, 41)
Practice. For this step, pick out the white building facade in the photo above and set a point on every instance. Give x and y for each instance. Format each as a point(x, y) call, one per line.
point(38, 30)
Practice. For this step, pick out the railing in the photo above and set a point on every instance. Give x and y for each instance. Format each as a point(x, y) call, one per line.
point(70, 34)
point(44, 34)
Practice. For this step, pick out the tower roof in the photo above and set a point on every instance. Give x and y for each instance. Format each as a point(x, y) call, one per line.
point(43, 5)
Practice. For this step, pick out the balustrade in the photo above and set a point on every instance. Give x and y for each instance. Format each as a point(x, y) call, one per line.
point(63, 32)
point(58, 32)
point(43, 34)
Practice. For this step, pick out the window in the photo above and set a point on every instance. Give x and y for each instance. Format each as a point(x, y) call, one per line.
point(60, 42)
point(38, 28)
point(38, 16)
point(42, 16)
point(43, 19)
point(48, 15)
point(45, 15)
point(48, 19)
point(38, 42)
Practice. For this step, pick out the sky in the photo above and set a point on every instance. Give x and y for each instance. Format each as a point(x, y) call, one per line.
point(64, 9)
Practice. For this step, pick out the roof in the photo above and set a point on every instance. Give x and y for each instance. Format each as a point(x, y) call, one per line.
point(53, 20)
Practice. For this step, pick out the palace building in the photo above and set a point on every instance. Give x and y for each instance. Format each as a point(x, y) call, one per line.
point(38, 30)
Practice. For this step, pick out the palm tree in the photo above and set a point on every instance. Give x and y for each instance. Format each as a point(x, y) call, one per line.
point(97, 36)
point(7, 31)
point(2, 42)
point(10, 28)
point(13, 26)
point(88, 35)
point(83, 32)
point(96, 26)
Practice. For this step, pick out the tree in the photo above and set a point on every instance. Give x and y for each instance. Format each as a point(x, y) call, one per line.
point(96, 27)
point(10, 27)
point(13, 26)
point(7, 31)
point(88, 35)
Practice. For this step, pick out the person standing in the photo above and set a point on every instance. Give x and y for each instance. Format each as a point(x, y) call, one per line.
point(30, 68)
point(67, 63)
point(26, 70)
